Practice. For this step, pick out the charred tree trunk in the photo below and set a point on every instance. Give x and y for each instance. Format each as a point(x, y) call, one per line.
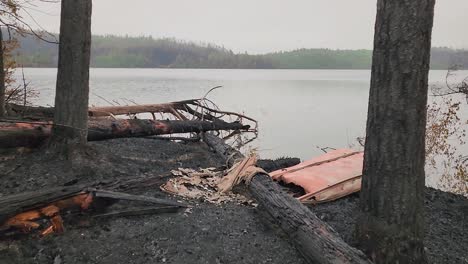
point(71, 98)
point(2, 77)
point(33, 134)
point(391, 227)
point(316, 240)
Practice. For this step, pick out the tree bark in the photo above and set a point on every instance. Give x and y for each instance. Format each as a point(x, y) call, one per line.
point(390, 229)
point(31, 135)
point(316, 240)
point(71, 98)
point(2, 77)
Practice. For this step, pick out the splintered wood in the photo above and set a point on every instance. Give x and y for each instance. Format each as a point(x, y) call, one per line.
point(41, 211)
point(212, 185)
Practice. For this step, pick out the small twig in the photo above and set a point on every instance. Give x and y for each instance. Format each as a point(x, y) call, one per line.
point(25, 93)
point(324, 149)
point(187, 139)
point(12, 170)
point(107, 101)
point(140, 211)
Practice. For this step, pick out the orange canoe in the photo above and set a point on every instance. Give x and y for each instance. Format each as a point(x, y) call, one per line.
point(327, 177)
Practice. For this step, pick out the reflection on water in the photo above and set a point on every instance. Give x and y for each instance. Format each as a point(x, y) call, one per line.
point(298, 110)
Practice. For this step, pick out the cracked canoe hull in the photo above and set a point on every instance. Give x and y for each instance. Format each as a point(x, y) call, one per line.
point(327, 177)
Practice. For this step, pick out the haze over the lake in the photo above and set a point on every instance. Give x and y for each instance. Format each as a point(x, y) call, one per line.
point(256, 26)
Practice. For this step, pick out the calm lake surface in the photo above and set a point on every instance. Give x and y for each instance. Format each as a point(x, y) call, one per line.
point(298, 110)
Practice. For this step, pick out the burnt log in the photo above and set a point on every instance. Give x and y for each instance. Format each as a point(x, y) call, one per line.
point(277, 164)
point(316, 240)
point(180, 110)
point(34, 134)
point(13, 205)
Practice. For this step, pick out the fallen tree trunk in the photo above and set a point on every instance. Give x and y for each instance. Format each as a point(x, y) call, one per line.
point(191, 107)
point(15, 204)
point(316, 240)
point(36, 111)
point(48, 112)
point(33, 134)
point(137, 109)
point(22, 211)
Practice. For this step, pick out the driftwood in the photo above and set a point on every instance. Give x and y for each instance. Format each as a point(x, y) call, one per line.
point(316, 240)
point(33, 134)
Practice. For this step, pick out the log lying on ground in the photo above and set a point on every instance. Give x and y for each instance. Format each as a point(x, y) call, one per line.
point(277, 164)
point(15, 204)
point(33, 134)
point(316, 240)
point(21, 210)
point(192, 107)
point(137, 109)
point(36, 111)
point(48, 112)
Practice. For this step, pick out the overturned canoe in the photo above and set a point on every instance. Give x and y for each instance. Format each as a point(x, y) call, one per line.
point(327, 177)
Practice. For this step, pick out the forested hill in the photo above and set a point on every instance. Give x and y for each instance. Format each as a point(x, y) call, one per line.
point(147, 52)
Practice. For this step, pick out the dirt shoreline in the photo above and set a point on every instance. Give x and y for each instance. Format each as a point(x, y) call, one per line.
point(208, 233)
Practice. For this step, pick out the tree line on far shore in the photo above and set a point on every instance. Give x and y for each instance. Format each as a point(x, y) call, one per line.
point(147, 52)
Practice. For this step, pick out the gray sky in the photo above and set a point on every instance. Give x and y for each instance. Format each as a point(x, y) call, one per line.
point(257, 26)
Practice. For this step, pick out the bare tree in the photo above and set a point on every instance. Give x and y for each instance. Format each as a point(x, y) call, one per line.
point(450, 87)
point(72, 92)
point(392, 198)
point(12, 20)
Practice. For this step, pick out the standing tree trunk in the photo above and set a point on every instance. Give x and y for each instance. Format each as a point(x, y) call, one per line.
point(2, 78)
point(391, 227)
point(71, 98)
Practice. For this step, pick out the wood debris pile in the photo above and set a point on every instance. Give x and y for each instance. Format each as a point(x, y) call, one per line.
point(211, 184)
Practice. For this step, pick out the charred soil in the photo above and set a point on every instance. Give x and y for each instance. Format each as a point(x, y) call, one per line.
point(205, 233)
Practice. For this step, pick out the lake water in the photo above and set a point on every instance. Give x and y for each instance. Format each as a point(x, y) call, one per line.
point(299, 111)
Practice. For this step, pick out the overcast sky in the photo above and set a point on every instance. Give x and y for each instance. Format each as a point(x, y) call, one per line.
point(257, 26)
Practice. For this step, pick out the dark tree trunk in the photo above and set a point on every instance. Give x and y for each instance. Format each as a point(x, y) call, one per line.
point(391, 227)
point(13, 135)
point(2, 77)
point(71, 98)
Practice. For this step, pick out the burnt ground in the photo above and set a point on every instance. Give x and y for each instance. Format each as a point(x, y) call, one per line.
point(207, 233)
point(446, 215)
